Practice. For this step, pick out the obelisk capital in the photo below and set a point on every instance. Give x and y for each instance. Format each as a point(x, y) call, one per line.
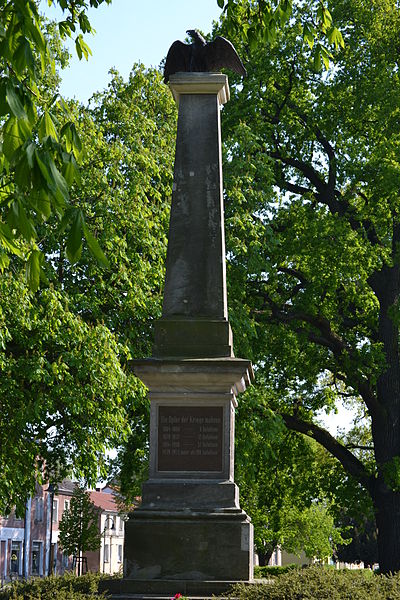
point(200, 83)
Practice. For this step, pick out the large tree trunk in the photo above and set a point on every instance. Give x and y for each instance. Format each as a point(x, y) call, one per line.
point(387, 514)
point(386, 424)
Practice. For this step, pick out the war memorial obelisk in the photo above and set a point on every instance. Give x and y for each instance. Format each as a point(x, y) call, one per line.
point(189, 534)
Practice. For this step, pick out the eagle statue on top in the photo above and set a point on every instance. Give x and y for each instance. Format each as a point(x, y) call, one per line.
point(201, 56)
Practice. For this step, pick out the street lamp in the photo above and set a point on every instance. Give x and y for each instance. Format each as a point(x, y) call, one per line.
point(51, 490)
point(106, 526)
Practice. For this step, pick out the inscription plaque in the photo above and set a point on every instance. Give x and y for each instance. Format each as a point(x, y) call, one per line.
point(190, 438)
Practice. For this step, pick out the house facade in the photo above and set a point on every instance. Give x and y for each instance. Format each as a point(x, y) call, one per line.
point(29, 546)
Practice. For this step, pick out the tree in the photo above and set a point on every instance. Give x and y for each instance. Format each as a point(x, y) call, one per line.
point(63, 392)
point(363, 545)
point(41, 148)
point(262, 21)
point(79, 526)
point(313, 234)
point(292, 489)
point(66, 389)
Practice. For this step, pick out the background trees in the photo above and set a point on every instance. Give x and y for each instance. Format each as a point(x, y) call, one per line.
point(40, 144)
point(67, 394)
point(79, 526)
point(312, 187)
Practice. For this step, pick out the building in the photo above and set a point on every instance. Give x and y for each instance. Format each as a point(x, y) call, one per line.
point(109, 557)
point(29, 546)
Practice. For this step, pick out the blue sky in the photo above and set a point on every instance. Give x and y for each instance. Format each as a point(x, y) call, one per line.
point(129, 31)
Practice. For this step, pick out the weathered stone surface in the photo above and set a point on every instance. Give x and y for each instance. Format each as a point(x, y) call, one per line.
point(194, 320)
point(195, 282)
point(192, 338)
point(200, 495)
point(194, 383)
point(180, 545)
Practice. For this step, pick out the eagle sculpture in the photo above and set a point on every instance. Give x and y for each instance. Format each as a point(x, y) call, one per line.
point(201, 56)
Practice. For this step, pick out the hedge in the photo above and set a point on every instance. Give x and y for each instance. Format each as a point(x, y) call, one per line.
point(267, 572)
point(65, 587)
point(317, 583)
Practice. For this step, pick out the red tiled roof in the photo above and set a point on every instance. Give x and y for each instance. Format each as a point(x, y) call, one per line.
point(105, 501)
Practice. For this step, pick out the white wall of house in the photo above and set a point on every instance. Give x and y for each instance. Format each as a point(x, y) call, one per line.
point(112, 543)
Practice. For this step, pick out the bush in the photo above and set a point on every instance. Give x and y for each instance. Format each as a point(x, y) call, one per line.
point(65, 587)
point(269, 572)
point(317, 583)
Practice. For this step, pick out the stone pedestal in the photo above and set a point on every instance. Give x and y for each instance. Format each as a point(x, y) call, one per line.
point(190, 532)
point(190, 525)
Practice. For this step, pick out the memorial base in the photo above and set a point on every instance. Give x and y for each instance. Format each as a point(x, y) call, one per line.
point(158, 589)
point(184, 545)
point(190, 534)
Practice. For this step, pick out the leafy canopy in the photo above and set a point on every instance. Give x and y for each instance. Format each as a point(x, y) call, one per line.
point(79, 527)
point(40, 145)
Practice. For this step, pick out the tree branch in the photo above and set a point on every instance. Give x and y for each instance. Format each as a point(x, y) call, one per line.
point(350, 463)
point(327, 192)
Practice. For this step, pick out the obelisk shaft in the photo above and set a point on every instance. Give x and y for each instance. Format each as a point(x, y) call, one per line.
point(195, 282)
point(195, 317)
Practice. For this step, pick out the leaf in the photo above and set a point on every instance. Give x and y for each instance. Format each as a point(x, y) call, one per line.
point(19, 220)
point(4, 108)
point(74, 241)
point(94, 247)
point(42, 204)
point(71, 171)
point(15, 103)
point(4, 260)
point(61, 185)
point(15, 133)
point(309, 35)
point(7, 240)
point(32, 271)
point(23, 57)
point(335, 37)
point(221, 3)
point(82, 49)
point(317, 59)
point(47, 127)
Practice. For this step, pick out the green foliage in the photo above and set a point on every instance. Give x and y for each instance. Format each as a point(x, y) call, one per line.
point(311, 530)
point(79, 526)
point(267, 572)
point(40, 145)
point(290, 486)
point(63, 391)
point(67, 391)
point(67, 587)
point(324, 584)
point(262, 21)
point(312, 179)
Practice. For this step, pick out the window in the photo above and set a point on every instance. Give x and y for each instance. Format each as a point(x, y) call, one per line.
point(121, 525)
point(120, 553)
point(106, 553)
point(36, 558)
point(65, 560)
point(15, 566)
point(66, 504)
point(109, 524)
point(38, 509)
point(55, 510)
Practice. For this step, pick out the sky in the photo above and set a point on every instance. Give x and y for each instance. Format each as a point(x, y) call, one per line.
point(129, 31)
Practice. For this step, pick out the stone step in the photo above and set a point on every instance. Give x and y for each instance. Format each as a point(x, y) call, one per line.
point(158, 589)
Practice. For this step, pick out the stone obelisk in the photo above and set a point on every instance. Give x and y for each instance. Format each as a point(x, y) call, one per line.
point(190, 534)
